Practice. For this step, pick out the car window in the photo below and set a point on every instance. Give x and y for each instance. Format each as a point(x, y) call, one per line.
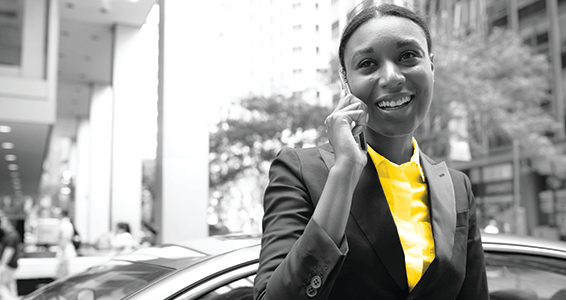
point(517, 276)
point(113, 280)
point(231, 284)
point(238, 290)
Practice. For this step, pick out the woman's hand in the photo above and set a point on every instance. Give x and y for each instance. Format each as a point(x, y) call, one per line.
point(344, 126)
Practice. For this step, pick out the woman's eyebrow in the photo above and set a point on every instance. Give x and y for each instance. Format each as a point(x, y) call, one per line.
point(363, 51)
point(408, 42)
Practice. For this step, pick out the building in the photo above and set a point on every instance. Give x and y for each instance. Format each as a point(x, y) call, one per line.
point(278, 47)
point(75, 76)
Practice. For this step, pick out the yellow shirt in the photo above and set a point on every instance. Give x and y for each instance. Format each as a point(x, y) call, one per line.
point(407, 194)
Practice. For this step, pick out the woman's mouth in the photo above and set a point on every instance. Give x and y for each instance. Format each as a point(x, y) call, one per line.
point(395, 104)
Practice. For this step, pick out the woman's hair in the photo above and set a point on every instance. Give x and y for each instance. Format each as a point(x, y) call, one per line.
point(367, 10)
point(124, 226)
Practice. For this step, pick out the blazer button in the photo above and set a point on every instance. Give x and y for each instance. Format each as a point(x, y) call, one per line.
point(311, 291)
point(316, 282)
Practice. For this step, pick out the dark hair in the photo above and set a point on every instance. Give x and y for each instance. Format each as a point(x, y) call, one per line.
point(367, 10)
point(124, 226)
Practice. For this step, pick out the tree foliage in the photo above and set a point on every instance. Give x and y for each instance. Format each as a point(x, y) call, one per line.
point(242, 147)
point(257, 129)
point(499, 88)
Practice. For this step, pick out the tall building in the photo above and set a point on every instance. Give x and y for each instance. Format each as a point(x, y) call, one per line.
point(279, 47)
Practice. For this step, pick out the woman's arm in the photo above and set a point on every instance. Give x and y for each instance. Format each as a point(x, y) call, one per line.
point(303, 244)
point(300, 242)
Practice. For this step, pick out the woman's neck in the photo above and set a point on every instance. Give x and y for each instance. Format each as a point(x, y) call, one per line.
point(396, 149)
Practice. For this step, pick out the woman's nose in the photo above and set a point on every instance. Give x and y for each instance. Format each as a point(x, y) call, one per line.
point(391, 76)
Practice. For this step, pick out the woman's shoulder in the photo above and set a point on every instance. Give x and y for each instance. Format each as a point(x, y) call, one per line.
point(306, 151)
point(455, 174)
point(301, 155)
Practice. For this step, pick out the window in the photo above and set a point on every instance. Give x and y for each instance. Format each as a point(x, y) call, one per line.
point(297, 27)
point(335, 27)
point(234, 290)
point(542, 38)
point(234, 284)
point(501, 22)
point(536, 276)
point(113, 280)
point(297, 49)
point(317, 50)
point(296, 5)
point(316, 27)
point(297, 71)
point(537, 7)
point(11, 16)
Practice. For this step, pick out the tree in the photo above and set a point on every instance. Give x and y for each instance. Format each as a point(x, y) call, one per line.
point(500, 89)
point(243, 145)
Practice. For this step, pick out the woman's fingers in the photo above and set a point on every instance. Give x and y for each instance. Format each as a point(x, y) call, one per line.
point(346, 123)
point(347, 101)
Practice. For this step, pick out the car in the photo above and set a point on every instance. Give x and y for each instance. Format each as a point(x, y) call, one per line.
point(36, 271)
point(518, 267)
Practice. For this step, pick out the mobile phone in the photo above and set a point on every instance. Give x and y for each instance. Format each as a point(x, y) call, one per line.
point(360, 138)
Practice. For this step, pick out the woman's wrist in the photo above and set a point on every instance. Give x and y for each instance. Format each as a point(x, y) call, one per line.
point(349, 165)
point(348, 170)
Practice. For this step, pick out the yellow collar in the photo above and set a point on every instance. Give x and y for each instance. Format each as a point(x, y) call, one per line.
point(415, 158)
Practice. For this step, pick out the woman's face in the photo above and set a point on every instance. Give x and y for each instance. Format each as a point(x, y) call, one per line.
point(389, 68)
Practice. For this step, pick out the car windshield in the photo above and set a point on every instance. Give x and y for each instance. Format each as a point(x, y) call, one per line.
point(113, 280)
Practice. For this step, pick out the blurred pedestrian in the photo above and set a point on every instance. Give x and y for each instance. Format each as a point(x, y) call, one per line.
point(369, 215)
point(123, 241)
point(66, 250)
point(491, 227)
point(11, 248)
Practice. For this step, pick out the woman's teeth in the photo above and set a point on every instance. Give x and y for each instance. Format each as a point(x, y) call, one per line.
point(394, 104)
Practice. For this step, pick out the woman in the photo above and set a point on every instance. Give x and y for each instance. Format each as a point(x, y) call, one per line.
point(343, 222)
point(66, 250)
point(123, 242)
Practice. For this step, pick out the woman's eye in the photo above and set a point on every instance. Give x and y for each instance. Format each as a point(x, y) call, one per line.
point(366, 63)
point(408, 55)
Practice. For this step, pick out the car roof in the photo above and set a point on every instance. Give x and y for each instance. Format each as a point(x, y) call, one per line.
point(523, 245)
point(219, 244)
point(184, 254)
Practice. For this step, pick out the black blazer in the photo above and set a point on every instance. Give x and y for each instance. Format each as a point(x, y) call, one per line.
point(299, 261)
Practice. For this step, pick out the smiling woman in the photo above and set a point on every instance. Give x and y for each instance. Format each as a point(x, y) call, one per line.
point(343, 222)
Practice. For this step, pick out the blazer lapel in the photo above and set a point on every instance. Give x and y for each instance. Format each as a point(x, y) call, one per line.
point(371, 212)
point(443, 218)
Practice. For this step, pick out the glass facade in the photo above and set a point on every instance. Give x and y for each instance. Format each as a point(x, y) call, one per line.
point(11, 16)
